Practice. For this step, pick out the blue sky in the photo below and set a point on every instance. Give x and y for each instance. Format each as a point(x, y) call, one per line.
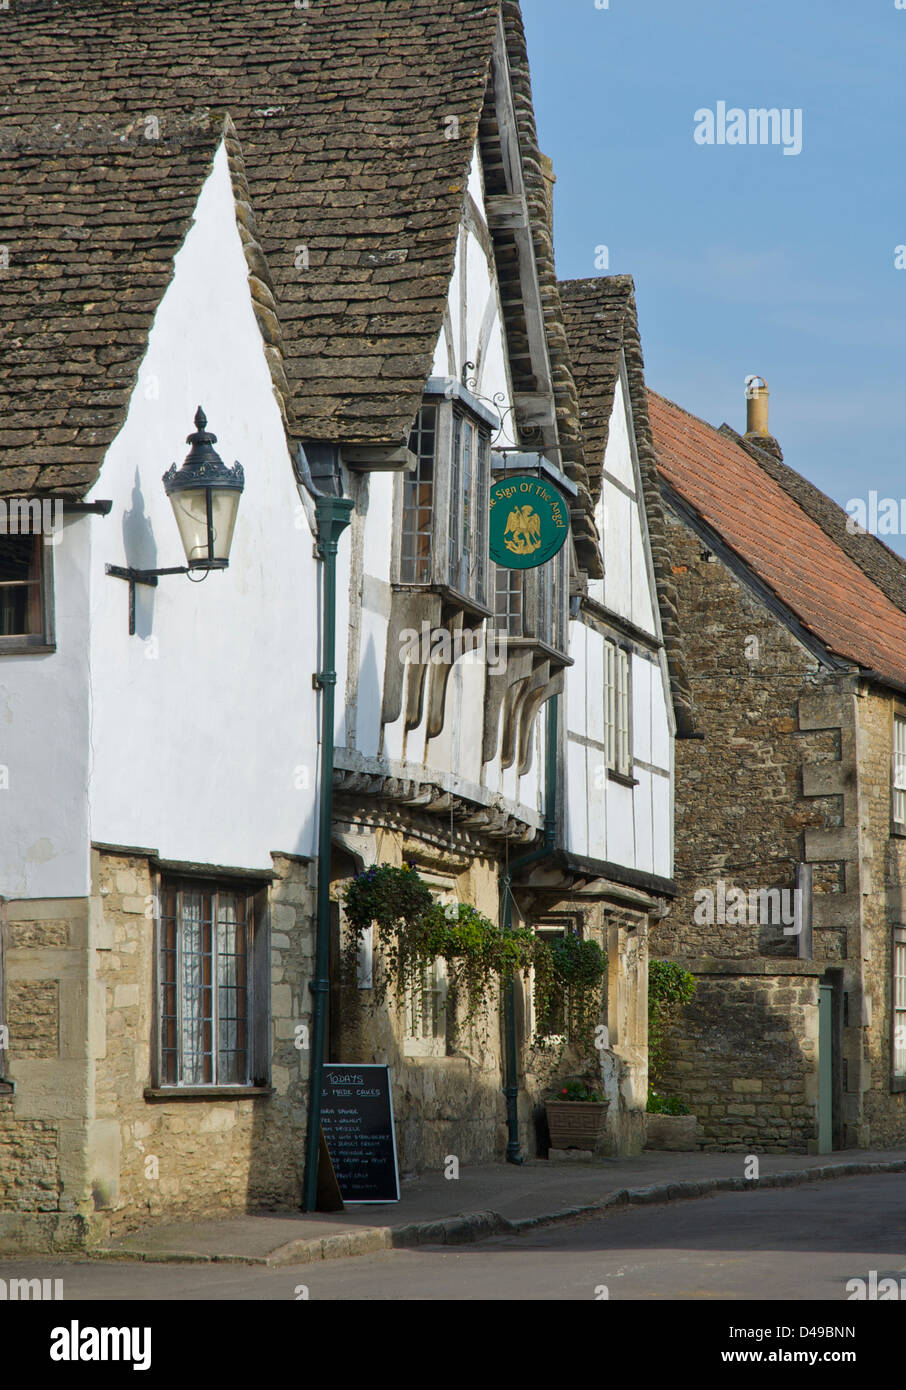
point(745, 259)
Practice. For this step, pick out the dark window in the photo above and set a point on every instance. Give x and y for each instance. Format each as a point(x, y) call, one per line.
point(206, 995)
point(459, 482)
point(21, 586)
point(509, 600)
point(418, 502)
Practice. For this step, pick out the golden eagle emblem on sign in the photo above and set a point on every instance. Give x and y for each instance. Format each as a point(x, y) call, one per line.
point(523, 531)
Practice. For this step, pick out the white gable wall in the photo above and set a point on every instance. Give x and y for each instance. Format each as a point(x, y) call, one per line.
point(204, 725)
point(626, 588)
point(605, 819)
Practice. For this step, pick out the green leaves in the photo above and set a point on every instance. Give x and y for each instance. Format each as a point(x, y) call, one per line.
point(386, 895)
point(568, 975)
point(665, 1105)
point(416, 930)
point(670, 987)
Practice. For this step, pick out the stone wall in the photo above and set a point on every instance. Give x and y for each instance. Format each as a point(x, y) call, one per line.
point(794, 768)
point(47, 1005)
point(884, 907)
point(184, 1158)
point(451, 1104)
point(86, 1149)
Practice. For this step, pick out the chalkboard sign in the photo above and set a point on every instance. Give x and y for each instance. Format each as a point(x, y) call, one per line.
point(357, 1122)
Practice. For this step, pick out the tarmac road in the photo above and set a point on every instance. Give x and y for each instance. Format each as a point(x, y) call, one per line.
point(780, 1244)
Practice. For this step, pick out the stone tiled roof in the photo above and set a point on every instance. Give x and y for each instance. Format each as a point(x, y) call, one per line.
point(349, 195)
point(601, 321)
point(796, 549)
point(91, 237)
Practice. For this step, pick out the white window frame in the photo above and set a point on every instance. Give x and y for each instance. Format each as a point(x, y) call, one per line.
point(425, 1013)
point(898, 1005)
point(618, 708)
point(425, 1007)
point(898, 799)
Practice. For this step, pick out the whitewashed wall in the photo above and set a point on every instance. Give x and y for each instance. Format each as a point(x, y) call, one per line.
point(204, 725)
point(44, 742)
point(632, 826)
point(472, 333)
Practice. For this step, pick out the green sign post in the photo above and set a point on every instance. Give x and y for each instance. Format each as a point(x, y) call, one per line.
point(528, 523)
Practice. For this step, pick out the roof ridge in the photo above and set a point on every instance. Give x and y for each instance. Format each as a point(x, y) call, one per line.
point(861, 547)
point(845, 604)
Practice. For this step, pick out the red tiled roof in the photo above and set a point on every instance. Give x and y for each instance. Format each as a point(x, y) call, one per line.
point(806, 569)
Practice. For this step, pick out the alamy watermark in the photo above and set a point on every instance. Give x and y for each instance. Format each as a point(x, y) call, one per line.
point(31, 516)
point(756, 126)
point(440, 647)
point(884, 516)
point(874, 1290)
point(22, 1290)
point(763, 907)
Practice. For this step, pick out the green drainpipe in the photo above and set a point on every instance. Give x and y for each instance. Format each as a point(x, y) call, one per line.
point(333, 518)
point(511, 1088)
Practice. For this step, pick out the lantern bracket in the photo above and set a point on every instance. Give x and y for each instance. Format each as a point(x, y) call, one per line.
point(150, 577)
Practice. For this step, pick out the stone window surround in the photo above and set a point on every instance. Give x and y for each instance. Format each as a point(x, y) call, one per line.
point(256, 886)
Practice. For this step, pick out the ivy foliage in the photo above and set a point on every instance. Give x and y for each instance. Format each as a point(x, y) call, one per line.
point(670, 988)
point(568, 975)
point(416, 929)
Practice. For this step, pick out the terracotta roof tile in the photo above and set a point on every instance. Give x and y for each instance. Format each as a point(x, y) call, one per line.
point(785, 546)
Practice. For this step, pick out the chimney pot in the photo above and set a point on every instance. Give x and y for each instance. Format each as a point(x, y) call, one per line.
point(757, 398)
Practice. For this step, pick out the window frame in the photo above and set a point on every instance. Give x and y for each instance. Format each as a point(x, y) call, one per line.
point(542, 623)
point(451, 512)
point(897, 1011)
point(417, 1042)
point(898, 773)
point(257, 988)
point(17, 644)
point(618, 740)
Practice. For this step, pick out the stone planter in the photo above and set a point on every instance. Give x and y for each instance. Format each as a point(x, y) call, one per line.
point(575, 1124)
point(677, 1132)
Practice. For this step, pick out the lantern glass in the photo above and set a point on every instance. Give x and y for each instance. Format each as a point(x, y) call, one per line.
point(190, 508)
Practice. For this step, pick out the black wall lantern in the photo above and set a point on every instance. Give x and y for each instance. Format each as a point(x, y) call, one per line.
point(204, 495)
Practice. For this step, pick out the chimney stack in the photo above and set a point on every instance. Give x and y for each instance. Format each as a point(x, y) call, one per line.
point(757, 399)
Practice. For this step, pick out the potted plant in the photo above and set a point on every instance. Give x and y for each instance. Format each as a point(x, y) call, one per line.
point(575, 1116)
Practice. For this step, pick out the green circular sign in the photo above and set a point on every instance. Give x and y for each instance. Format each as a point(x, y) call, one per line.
point(528, 524)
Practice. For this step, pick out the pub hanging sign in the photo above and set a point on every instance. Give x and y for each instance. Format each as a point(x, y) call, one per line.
point(528, 522)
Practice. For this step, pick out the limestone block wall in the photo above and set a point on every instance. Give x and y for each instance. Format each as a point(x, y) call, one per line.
point(47, 1005)
point(178, 1158)
point(85, 1151)
point(744, 1055)
point(454, 1104)
point(775, 782)
point(884, 907)
point(443, 1105)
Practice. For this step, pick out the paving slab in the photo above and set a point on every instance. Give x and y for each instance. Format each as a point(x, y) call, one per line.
point(485, 1200)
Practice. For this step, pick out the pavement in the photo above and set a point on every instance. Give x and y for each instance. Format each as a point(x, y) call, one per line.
point(485, 1200)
